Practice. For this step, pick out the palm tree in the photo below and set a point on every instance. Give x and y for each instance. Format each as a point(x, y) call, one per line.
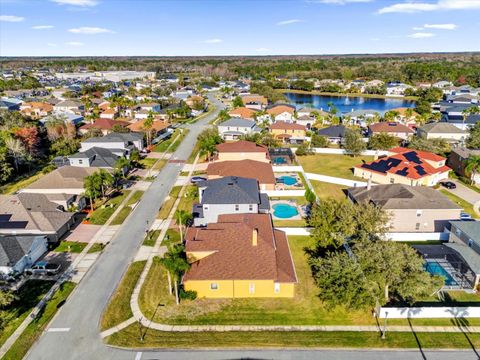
point(181, 218)
point(147, 126)
point(92, 186)
point(175, 262)
point(472, 165)
point(16, 150)
point(122, 164)
point(106, 179)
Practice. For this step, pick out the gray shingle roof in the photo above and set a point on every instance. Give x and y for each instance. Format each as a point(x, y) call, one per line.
point(471, 228)
point(230, 190)
point(99, 157)
point(398, 196)
point(114, 137)
point(336, 131)
point(238, 122)
point(441, 128)
point(13, 248)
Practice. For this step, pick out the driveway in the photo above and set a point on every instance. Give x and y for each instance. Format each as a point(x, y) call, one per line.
point(464, 192)
point(82, 233)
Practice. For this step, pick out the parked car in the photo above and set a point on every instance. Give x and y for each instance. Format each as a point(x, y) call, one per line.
point(465, 216)
point(449, 185)
point(43, 268)
point(197, 179)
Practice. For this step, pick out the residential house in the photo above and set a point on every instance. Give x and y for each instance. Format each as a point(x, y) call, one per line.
point(442, 84)
point(242, 112)
point(361, 117)
point(94, 157)
point(255, 102)
point(457, 161)
point(391, 128)
point(335, 134)
point(239, 256)
point(158, 126)
point(396, 88)
point(406, 116)
point(228, 195)
point(405, 166)
point(110, 114)
point(70, 106)
point(410, 208)
point(258, 170)
point(33, 214)
point(442, 130)
point(241, 150)
point(36, 109)
point(19, 252)
point(288, 132)
point(117, 141)
point(71, 118)
point(235, 128)
point(106, 126)
point(153, 107)
point(8, 105)
point(281, 112)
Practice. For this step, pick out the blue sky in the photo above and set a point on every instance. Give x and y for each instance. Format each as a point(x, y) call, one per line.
point(234, 27)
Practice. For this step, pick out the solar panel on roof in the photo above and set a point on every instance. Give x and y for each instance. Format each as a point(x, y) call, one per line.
point(402, 172)
point(5, 217)
point(13, 224)
point(420, 170)
point(413, 157)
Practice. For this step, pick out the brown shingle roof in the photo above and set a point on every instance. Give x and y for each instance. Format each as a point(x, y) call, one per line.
point(279, 109)
point(390, 127)
point(241, 146)
point(104, 124)
point(243, 112)
point(66, 177)
point(283, 125)
point(254, 98)
point(234, 257)
point(258, 170)
point(157, 125)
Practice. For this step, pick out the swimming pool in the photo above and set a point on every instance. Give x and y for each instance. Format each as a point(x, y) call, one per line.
point(288, 180)
point(279, 161)
point(284, 211)
point(435, 268)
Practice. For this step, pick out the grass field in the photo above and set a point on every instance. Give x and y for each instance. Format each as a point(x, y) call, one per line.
point(101, 214)
point(27, 297)
point(22, 181)
point(289, 223)
point(168, 204)
point(190, 195)
point(127, 209)
point(467, 207)
point(118, 308)
point(327, 190)
point(151, 238)
point(332, 165)
point(38, 325)
point(129, 337)
point(147, 163)
point(171, 237)
point(77, 247)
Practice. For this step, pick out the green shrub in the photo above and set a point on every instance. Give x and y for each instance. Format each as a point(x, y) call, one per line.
point(187, 294)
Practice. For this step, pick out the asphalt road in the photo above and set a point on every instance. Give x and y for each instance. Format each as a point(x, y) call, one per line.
point(80, 315)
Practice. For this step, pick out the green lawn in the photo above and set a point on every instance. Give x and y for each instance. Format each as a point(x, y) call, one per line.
point(467, 207)
point(77, 247)
point(160, 164)
point(151, 238)
point(136, 196)
point(163, 146)
point(103, 213)
point(25, 180)
point(289, 223)
point(171, 237)
point(129, 338)
point(327, 190)
point(190, 196)
point(118, 309)
point(168, 204)
point(38, 325)
point(127, 209)
point(332, 165)
point(27, 297)
point(147, 163)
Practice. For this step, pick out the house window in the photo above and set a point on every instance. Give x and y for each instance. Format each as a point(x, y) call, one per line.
point(251, 288)
point(276, 288)
point(419, 213)
point(205, 207)
point(250, 207)
point(213, 286)
point(237, 207)
point(417, 226)
point(80, 161)
point(392, 181)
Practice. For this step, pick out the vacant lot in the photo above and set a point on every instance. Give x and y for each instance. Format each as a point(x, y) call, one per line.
point(332, 165)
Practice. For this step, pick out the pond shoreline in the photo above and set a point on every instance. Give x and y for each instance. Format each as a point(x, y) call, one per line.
point(370, 96)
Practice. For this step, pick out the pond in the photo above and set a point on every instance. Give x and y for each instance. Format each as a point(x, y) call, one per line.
point(284, 211)
point(345, 104)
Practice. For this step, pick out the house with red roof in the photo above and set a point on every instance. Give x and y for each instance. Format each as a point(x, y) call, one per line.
point(241, 150)
point(287, 132)
point(392, 128)
point(405, 166)
point(104, 125)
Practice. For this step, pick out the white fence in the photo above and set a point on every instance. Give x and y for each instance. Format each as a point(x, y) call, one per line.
point(287, 168)
point(335, 180)
point(429, 312)
point(296, 231)
point(420, 236)
point(274, 193)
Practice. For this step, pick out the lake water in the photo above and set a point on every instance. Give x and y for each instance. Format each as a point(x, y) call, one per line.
point(346, 104)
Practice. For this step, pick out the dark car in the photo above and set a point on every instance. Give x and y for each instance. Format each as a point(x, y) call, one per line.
point(197, 179)
point(449, 185)
point(43, 268)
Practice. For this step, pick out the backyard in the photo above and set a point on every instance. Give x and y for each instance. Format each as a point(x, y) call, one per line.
point(332, 165)
point(327, 190)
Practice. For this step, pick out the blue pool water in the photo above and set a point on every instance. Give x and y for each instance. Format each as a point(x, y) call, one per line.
point(346, 104)
point(288, 180)
point(284, 211)
point(435, 268)
point(279, 161)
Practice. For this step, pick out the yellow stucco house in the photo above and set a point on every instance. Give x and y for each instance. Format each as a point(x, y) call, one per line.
point(288, 132)
point(242, 150)
point(240, 256)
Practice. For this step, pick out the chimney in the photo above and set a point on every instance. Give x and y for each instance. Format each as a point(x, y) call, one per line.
point(255, 237)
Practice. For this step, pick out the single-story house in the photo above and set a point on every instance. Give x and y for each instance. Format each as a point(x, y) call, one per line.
point(33, 214)
point(405, 166)
point(258, 170)
point(71, 118)
point(228, 195)
point(410, 208)
point(360, 117)
point(239, 256)
point(20, 252)
point(71, 106)
point(235, 128)
point(406, 116)
point(457, 161)
point(36, 109)
point(391, 128)
point(335, 134)
point(442, 130)
point(109, 114)
point(253, 101)
point(241, 150)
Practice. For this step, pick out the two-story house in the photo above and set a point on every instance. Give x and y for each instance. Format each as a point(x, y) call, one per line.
point(235, 128)
point(288, 132)
point(117, 142)
point(240, 150)
point(228, 195)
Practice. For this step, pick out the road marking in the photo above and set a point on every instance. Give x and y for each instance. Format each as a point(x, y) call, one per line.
point(138, 356)
point(58, 330)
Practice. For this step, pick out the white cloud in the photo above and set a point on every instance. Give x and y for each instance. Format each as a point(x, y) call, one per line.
point(339, 2)
point(413, 7)
point(421, 35)
point(42, 27)
point(74, 43)
point(11, 18)
point(88, 30)
point(441, 26)
point(418, 28)
point(81, 3)
point(288, 22)
point(262, 49)
point(212, 41)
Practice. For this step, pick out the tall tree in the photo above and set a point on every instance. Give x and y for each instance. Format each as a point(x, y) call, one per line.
point(472, 166)
point(147, 126)
point(93, 188)
point(16, 150)
point(473, 141)
point(382, 141)
point(354, 143)
point(175, 262)
point(182, 218)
